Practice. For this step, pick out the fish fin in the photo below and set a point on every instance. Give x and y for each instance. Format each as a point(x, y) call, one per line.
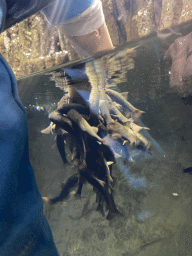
point(49, 129)
point(49, 201)
point(46, 199)
point(136, 128)
point(114, 214)
point(62, 184)
point(105, 143)
point(135, 115)
point(114, 116)
point(128, 114)
point(110, 163)
point(125, 141)
point(101, 182)
point(118, 105)
point(100, 209)
point(127, 123)
point(116, 135)
point(125, 95)
point(95, 129)
point(54, 146)
point(131, 160)
point(116, 155)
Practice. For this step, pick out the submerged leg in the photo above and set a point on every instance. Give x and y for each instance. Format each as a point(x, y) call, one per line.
point(70, 183)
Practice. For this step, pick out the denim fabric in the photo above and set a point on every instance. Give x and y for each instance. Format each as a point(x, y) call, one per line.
point(23, 227)
point(62, 10)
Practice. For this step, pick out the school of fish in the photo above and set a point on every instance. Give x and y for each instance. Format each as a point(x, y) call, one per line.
point(98, 125)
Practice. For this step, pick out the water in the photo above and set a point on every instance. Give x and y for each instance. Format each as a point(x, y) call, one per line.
point(153, 193)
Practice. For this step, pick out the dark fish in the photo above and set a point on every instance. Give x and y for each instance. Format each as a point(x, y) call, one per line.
point(187, 100)
point(61, 147)
point(61, 121)
point(117, 97)
point(64, 108)
point(63, 100)
point(100, 201)
point(108, 197)
point(70, 183)
point(104, 108)
point(117, 113)
point(80, 186)
point(83, 124)
point(119, 131)
point(75, 96)
point(188, 170)
point(49, 129)
point(76, 145)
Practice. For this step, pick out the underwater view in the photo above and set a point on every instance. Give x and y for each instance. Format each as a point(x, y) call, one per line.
point(107, 91)
point(114, 168)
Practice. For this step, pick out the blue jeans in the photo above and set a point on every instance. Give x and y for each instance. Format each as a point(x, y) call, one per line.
point(23, 227)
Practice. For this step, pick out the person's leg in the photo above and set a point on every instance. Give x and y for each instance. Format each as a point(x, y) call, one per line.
point(86, 31)
point(92, 43)
point(23, 227)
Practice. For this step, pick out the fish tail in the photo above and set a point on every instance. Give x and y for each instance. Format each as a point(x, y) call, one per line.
point(112, 214)
point(48, 200)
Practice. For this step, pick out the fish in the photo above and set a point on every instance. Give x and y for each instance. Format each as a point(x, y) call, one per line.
point(144, 140)
point(94, 94)
point(61, 147)
point(109, 178)
point(100, 201)
point(66, 188)
point(119, 131)
point(107, 153)
point(117, 97)
point(61, 121)
point(63, 100)
point(83, 124)
point(118, 149)
point(188, 170)
point(117, 114)
point(49, 129)
point(105, 113)
point(134, 127)
point(82, 180)
point(74, 141)
point(64, 108)
point(113, 211)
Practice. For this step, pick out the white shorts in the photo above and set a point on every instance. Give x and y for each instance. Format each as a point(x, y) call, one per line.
point(85, 23)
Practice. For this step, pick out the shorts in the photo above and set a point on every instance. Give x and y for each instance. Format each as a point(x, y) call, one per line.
point(79, 23)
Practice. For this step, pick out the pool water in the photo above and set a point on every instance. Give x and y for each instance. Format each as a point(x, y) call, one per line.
point(153, 193)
